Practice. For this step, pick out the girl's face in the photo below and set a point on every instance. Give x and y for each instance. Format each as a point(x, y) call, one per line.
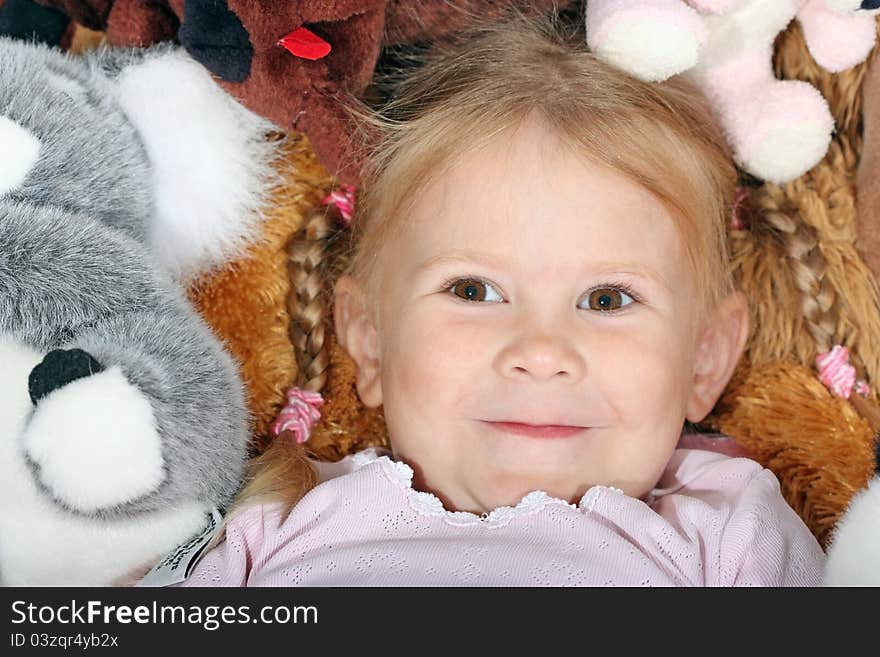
point(537, 330)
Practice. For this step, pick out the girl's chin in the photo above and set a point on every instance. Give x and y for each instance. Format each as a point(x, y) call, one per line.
point(512, 494)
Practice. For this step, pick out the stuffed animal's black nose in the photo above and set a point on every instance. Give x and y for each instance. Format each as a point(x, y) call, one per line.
point(58, 368)
point(870, 4)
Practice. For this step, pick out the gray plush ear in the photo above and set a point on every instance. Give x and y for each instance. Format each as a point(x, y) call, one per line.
point(19, 150)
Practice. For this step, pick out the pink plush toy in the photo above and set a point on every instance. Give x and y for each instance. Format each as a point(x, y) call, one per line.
point(777, 129)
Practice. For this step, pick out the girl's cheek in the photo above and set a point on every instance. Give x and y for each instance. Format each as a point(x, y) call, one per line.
point(647, 367)
point(429, 355)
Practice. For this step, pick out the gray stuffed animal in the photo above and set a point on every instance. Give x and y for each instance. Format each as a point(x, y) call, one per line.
point(122, 418)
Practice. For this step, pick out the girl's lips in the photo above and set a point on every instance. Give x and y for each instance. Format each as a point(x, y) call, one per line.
point(537, 430)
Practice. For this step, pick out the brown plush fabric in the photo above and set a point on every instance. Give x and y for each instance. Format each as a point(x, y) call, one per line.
point(869, 170)
point(818, 446)
point(83, 39)
point(245, 303)
point(139, 23)
point(307, 96)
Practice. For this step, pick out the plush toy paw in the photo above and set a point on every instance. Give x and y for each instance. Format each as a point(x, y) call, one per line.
point(787, 134)
point(92, 441)
point(651, 41)
point(854, 553)
point(839, 33)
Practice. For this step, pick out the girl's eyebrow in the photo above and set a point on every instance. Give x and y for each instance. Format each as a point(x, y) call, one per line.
point(466, 258)
point(498, 261)
point(638, 269)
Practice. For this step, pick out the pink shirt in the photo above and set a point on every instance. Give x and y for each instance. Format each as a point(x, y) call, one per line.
point(713, 520)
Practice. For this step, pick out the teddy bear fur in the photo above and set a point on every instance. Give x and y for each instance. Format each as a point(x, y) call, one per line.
point(869, 167)
point(122, 417)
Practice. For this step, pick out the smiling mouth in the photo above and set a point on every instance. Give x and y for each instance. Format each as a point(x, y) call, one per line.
point(537, 430)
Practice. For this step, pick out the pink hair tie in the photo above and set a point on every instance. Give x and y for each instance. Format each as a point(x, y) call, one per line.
point(838, 375)
point(342, 198)
point(736, 220)
point(300, 415)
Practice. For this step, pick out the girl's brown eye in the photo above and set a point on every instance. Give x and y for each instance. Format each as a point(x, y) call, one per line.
point(608, 298)
point(471, 289)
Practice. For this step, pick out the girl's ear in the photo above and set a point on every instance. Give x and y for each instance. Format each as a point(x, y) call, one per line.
point(357, 334)
point(718, 353)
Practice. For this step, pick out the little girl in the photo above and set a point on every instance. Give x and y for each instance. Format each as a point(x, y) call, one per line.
point(540, 298)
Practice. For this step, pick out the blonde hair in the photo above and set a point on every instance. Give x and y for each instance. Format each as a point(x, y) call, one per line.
point(661, 136)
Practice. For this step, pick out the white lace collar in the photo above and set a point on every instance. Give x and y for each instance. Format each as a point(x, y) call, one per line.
point(427, 504)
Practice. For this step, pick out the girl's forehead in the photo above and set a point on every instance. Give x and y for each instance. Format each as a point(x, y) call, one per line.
point(502, 207)
point(527, 179)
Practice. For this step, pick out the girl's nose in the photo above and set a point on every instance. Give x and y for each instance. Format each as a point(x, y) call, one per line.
point(541, 357)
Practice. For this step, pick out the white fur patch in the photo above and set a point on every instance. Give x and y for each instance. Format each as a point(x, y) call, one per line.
point(854, 554)
point(651, 50)
point(211, 159)
point(96, 442)
point(19, 150)
point(41, 545)
point(789, 151)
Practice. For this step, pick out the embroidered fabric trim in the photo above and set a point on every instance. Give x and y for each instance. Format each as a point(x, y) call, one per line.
point(427, 504)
